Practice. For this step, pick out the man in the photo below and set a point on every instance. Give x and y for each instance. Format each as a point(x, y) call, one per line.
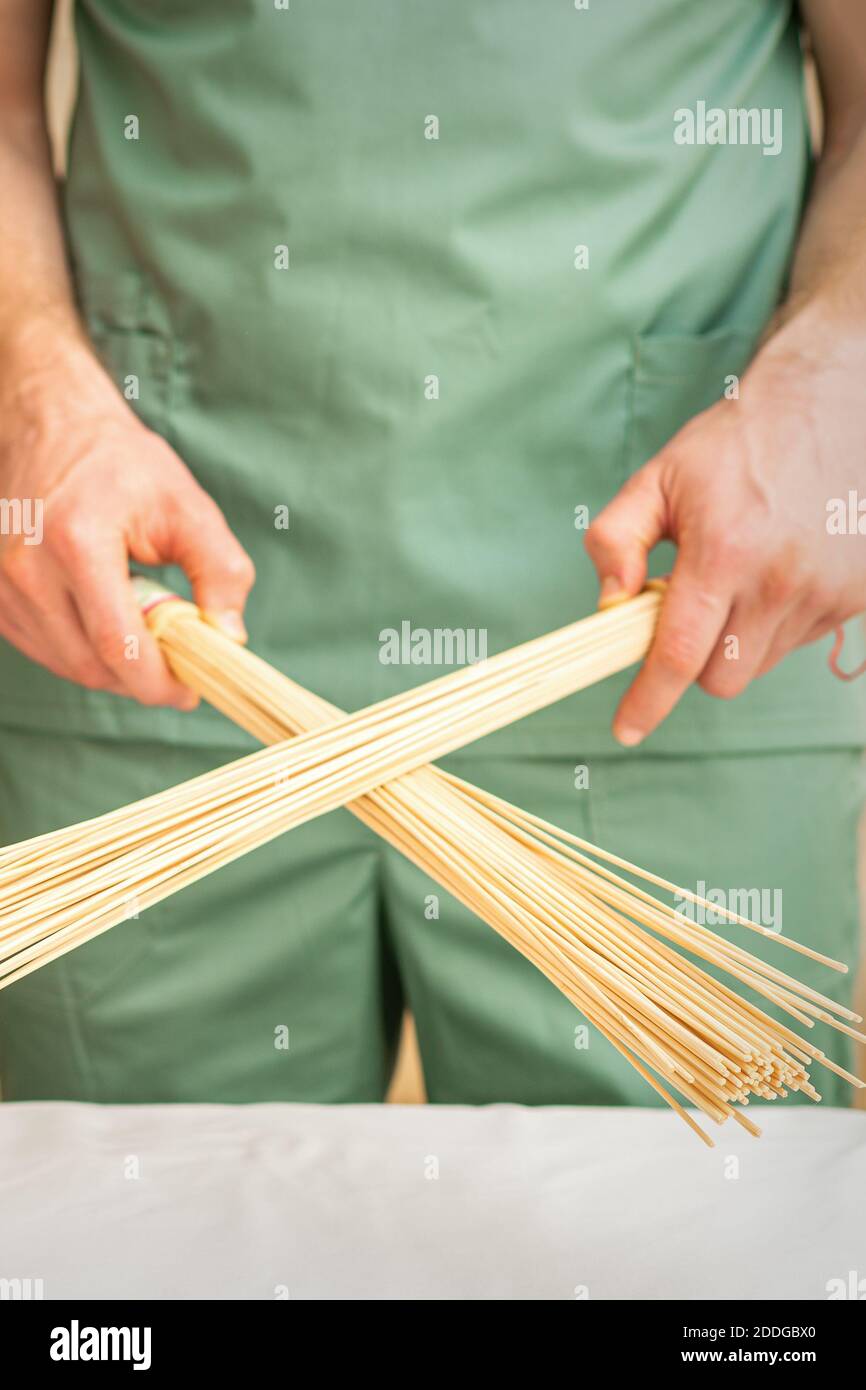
point(393, 298)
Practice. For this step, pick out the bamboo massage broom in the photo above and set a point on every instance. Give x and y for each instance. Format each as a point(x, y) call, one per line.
point(587, 928)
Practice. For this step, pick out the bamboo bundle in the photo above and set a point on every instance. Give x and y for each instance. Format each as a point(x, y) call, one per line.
point(559, 900)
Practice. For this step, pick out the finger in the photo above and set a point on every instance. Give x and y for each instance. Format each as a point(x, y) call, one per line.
point(693, 615)
point(622, 535)
point(800, 630)
point(216, 564)
point(117, 631)
point(742, 649)
point(20, 623)
point(48, 628)
point(17, 615)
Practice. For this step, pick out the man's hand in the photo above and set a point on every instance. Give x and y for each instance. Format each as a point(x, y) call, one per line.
point(110, 490)
point(743, 491)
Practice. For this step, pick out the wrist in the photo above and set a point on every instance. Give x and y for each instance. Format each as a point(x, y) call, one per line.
point(810, 334)
point(48, 368)
point(48, 336)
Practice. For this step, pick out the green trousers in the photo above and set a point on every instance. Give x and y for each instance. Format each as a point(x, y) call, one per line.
point(284, 976)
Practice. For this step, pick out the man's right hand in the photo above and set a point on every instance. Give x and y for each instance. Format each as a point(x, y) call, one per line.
point(110, 490)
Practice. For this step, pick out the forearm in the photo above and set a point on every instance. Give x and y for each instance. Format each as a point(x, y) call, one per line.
point(827, 292)
point(38, 318)
point(827, 295)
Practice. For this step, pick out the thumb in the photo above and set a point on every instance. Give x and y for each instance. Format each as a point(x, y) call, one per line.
point(217, 566)
point(622, 535)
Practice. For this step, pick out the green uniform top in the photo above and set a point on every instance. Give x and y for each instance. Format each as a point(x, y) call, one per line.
point(427, 282)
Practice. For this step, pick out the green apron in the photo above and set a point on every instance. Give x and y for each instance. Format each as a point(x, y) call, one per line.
point(432, 387)
point(342, 261)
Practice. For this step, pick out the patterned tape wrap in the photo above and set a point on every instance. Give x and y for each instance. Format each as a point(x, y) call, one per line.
point(159, 605)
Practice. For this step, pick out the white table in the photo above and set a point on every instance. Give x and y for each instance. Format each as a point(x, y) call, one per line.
point(304, 1201)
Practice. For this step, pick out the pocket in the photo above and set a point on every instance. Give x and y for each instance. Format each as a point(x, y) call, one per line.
point(675, 376)
point(131, 334)
point(141, 366)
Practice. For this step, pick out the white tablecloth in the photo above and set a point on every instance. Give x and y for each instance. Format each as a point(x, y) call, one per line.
point(373, 1202)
